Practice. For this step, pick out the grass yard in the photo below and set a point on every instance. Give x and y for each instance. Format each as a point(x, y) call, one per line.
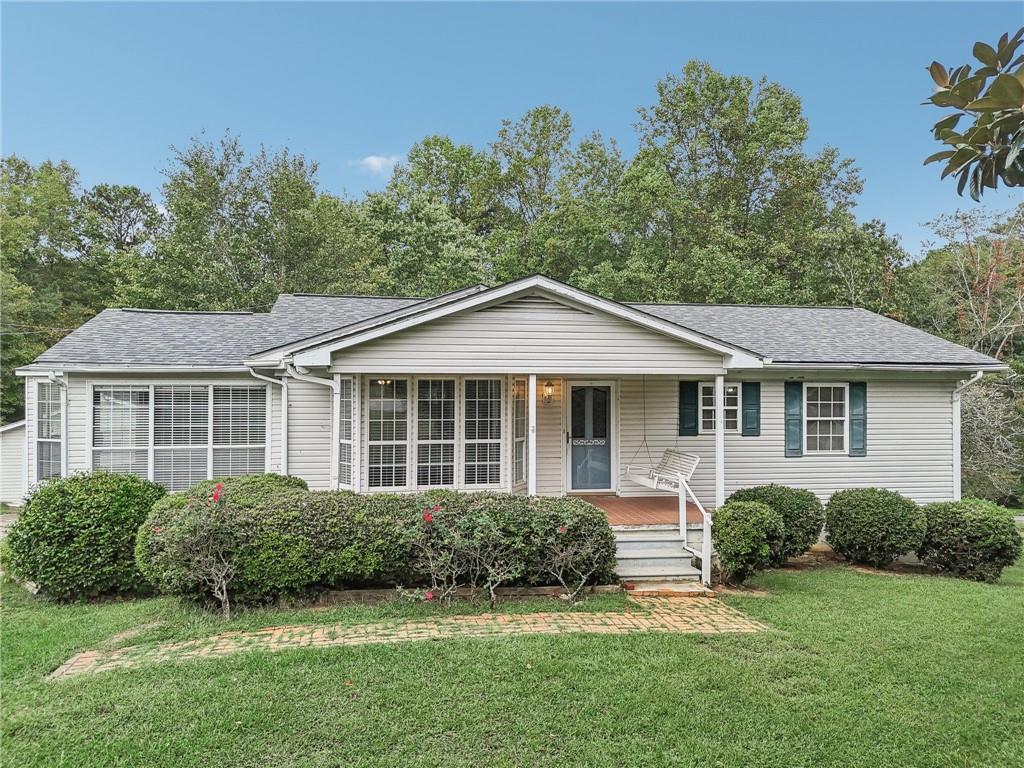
point(860, 669)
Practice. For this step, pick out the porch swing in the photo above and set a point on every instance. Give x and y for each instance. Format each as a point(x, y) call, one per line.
point(673, 473)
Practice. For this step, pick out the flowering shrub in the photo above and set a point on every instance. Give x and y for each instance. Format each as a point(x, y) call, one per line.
point(75, 536)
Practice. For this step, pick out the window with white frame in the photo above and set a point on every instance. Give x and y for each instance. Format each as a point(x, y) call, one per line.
point(482, 431)
point(435, 432)
point(346, 403)
point(707, 407)
point(825, 418)
point(198, 431)
point(387, 426)
point(181, 435)
point(520, 465)
point(239, 431)
point(49, 430)
point(120, 428)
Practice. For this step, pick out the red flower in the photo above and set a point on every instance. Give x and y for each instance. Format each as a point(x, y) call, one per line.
point(429, 595)
point(562, 529)
point(437, 507)
point(427, 517)
point(217, 491)
point(158, 529)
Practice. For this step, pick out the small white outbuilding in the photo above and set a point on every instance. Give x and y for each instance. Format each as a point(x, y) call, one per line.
point(13, 463)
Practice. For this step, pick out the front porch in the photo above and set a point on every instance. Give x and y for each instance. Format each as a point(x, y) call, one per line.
point(643, 510)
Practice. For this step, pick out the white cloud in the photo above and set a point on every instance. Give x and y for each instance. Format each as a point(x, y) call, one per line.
point(379, 165)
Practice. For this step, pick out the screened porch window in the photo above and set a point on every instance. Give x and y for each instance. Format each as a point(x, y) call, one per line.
point(120, 429)
point(435, 432)
point(48, 430)
point(483, 431)
point(707, 407)
point(387, 422)
point(519, 426)
point(346, 403)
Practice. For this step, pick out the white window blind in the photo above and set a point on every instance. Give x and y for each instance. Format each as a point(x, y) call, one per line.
point(120, 429)
point(435, 432)
point(346, 403)
point(387, 422)
point(482, 431)
point(519, 425)
point(239, 430)
point(48, 430)
point(181, 433)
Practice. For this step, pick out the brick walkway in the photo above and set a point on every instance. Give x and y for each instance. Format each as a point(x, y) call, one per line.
point(679, 615)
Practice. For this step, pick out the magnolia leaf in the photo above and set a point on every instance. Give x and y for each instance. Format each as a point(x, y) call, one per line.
point(984, 53)
point(1007, 88)
point(939, 156)
point(969, 88)
point(975, 188)
point(988, 103)
point(962, 183)
point(1015, 149)
point(948, 122)
point(939, 74)
point(946, 99)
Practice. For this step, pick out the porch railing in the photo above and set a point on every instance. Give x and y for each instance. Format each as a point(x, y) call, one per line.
point(704, 553)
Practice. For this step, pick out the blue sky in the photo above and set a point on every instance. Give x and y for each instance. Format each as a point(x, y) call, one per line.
point(109, 87)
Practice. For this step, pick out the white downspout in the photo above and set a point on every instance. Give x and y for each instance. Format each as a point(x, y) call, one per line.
point(283, 383)
point(335, 386)
point(955, 405)
point(719, 441)
point(61, 381)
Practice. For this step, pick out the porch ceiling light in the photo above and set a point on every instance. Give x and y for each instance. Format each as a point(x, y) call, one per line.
point(549, 392)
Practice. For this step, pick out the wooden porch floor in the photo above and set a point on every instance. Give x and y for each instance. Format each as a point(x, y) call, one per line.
point(643, 510)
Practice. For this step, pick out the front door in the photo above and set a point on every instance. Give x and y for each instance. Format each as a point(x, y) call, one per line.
point(590, 438)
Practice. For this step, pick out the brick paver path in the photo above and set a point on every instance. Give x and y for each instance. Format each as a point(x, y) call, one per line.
point(679, 615)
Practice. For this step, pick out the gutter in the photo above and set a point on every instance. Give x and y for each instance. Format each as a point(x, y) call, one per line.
point(973, 380)
point(283, 383)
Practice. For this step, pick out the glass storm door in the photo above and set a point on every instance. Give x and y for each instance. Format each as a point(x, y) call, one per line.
point(590, 442)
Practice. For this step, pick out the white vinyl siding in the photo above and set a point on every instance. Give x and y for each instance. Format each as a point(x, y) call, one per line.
point(550, 439)
point(13, 469)
point(49, 430)
point(527, 335)
point(309, 433)
point(909, 443)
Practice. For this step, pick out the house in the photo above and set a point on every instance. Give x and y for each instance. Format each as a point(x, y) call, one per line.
point(530, 387)
point(13, 467)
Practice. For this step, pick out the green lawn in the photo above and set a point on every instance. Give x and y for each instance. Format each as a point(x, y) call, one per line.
point(861, 669)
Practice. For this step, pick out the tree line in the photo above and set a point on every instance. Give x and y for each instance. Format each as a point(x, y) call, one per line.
point(722, 202)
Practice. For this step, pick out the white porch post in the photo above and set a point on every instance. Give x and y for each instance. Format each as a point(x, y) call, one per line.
point(719, 441)
point(531, 436)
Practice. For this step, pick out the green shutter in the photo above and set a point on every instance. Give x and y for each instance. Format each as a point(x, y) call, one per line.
point(794, 418)
point(751, 399)
point(687, 408)
point(858, 418)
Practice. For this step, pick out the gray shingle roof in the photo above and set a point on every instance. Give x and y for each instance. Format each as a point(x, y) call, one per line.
point(818, 334)
point(785, 334)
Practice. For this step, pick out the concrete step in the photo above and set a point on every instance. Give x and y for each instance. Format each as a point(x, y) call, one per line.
point(663, 567)
point(626, 548)
point(646, 533)
point(666, 588)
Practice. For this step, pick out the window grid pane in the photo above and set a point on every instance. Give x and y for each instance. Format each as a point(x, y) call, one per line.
point(239, 416)
point(519, 426)
point(387, 421)
point(435, 432)
point(181, 415)
point(731, 401)
point(179, 468)
point(120, 417)
point(483, 432)
point(826, 419)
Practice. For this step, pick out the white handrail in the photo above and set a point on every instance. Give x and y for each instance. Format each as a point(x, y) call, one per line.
point(705, 544)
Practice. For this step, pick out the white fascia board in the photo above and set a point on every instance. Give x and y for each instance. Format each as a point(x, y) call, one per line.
point(320, 356)
point(12, 425)
point(42, 369)
point(918, 368)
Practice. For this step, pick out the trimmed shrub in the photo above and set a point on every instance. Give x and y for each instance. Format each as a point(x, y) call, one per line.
point(76, 535)
point(802, 516)
point(575, 546)
point(746, 534)
point(974, 539)
point(873, 526)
